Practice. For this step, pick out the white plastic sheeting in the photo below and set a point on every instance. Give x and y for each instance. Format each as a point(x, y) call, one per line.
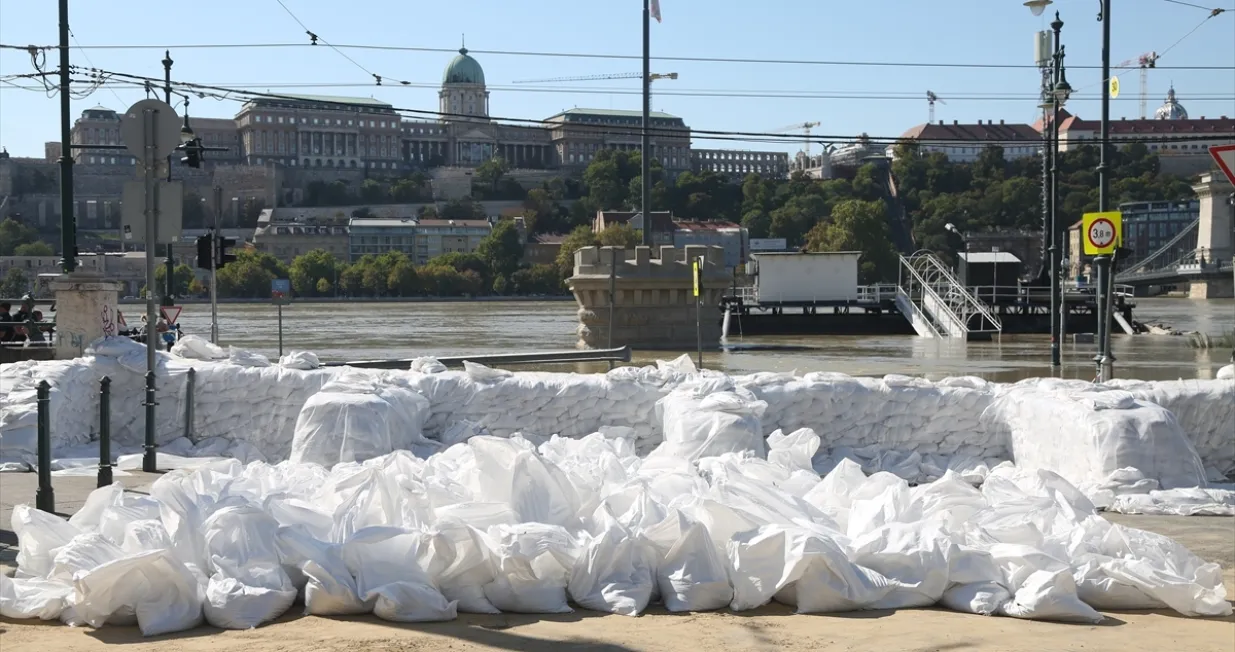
point(498, 524)
point(1087, 433)
point(355, 418)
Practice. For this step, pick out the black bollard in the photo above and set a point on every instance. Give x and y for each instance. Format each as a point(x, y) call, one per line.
point(149, 460)
point(190, 386)
point(105, 477)
point(45, 497)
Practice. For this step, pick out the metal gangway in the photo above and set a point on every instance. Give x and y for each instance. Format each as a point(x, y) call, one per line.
point(937, 304)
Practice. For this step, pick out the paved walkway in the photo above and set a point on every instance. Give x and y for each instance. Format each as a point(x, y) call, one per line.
point(70, 491)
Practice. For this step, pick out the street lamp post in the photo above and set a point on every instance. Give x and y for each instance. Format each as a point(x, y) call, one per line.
point(1059, 95)
point(68, 222)
point(169, 292)
point(645, 156)
point(1105, 360)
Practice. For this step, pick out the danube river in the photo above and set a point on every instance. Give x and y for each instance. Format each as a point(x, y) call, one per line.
point(366, 331)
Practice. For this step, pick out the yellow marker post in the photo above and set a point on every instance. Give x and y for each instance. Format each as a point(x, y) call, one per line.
point(1101, 232)
point(1114, 87)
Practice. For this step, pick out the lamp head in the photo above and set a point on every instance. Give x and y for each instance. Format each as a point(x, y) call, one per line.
point(1037, 6)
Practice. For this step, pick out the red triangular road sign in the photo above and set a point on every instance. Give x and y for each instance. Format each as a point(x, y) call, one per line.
point(171, 313)
point(1225, 156)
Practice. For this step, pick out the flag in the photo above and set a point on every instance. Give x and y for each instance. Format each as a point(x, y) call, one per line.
point(655, 10)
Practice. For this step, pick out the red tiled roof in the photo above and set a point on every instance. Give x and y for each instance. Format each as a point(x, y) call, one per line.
point(984, 131)
point(1222, 125)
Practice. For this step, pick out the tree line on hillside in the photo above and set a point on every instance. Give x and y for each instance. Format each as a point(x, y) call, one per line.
point(816, 215)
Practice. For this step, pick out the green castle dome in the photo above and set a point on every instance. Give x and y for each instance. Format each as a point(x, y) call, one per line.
point(463, 69)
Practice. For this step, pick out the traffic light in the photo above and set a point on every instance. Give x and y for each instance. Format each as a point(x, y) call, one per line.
point(192, 153)
point(205, 251)
point(225, 256)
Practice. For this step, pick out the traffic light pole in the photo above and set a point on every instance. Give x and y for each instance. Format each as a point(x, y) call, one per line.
point(214, 272)
point(169, 293)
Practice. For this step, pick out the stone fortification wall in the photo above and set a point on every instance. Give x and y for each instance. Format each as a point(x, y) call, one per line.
point(654, 304)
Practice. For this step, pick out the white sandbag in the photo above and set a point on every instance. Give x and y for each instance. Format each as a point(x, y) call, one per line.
point(395, 571)
point(248, 586)
point(533, 566)
point(692, 576)
point(152, 587)
point(704, 419)
point(197, 348)
point(350, 426)
point(39, 536)
point(31, 597)
point(1050, 595)
point(615, 573)
point(303, 360)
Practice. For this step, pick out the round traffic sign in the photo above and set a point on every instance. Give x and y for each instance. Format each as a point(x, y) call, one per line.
point(135, 133)
point(1101, 233)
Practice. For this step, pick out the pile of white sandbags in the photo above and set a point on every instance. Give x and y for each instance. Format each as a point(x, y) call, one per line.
point(1087, 433)
point(1205, 410)
point(355, 418)
point(498, 525)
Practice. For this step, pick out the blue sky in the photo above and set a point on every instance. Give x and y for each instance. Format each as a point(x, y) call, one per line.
point(924, 31)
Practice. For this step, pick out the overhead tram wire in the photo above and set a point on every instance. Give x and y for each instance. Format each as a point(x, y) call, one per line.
point(586, 55)
point(687, 92)
point(703, 134)
point(314, 39)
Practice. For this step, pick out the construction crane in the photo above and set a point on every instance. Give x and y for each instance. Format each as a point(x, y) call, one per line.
point(804, 127)
point(1144, 62)
point(931, 98)
point(620, 75)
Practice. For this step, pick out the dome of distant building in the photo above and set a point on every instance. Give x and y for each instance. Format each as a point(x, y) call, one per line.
point(1171, 110)
point(463, 69)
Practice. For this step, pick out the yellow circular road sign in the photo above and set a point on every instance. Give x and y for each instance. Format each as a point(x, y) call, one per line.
point(1114, 87)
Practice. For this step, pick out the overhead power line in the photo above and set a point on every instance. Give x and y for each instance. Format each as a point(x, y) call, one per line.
point(688, 92)
point(706, 134)
point(625, 57)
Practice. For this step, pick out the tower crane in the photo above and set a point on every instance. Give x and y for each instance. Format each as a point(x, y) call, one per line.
point(620, 75)
point(1144, 62)
point(804, 127)
point(931, 98)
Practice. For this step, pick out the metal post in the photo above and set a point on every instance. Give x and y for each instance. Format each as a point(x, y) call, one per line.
point(699, 314)
point(644, 138)
point(68, 223)
point(105, 475)
point(150, 121)
point(1105, 360)
point(45, 496)
point(612, 291)
point(280, 330)
point(1056, 25)
point(189, 391)
point(169, 293)
point(214, 272)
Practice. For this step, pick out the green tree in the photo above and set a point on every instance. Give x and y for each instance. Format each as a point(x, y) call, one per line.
point(620, 235)
point(13, 234)
point(324, 288)
point(197, 288)
point(857, 225)
point(351, 280)
point(250, 275)
point(457, 209)
point(537, 279)
point(34, 249)
point(581, 237)
point(402, 280)
point(502, 249)
point(14, 284)
point(491, 171)
point(796, 217)
point(372, 192)
point(182, 277)
point(310, 267)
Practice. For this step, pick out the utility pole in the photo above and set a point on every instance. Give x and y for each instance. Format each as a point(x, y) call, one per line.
point(169, 293)
point(214, 272)
point(645, 155)
point(68, 222)
point(1105, 360)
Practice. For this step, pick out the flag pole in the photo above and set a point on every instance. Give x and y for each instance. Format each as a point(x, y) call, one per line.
point(644, 139)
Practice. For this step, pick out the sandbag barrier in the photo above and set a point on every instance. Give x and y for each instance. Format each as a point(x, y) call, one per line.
point(499, 525)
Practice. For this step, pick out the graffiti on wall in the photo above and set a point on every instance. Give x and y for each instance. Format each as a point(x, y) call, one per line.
point(109, 322)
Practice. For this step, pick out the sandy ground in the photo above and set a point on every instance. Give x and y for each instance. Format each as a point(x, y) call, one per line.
point(771, 628)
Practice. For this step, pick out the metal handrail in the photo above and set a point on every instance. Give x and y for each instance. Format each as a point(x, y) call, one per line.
point(926, 287)
point(622, 354)
point(969, 305)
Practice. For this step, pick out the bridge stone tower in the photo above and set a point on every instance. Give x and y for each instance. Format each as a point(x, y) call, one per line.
point(1215, 237)
point(654, 306)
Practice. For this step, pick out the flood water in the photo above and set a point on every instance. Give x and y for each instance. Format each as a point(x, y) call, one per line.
point(368, 331)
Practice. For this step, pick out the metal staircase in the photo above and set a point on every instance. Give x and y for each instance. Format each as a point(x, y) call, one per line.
point(937, 304)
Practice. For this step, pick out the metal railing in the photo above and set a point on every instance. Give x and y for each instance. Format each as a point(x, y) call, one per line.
point(876, 293)
point(622, 354)
point(932, 288)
